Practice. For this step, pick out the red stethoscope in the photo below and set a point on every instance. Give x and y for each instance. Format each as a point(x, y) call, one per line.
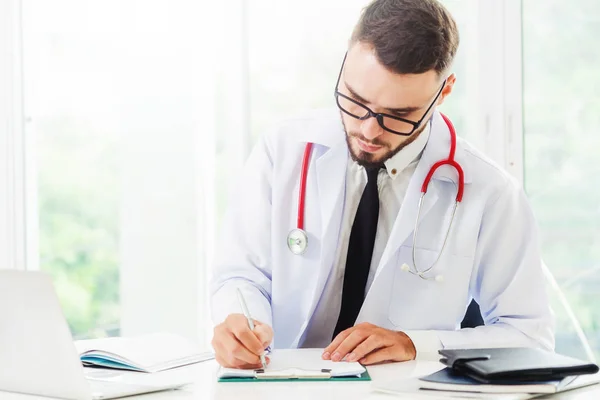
point(297, 239)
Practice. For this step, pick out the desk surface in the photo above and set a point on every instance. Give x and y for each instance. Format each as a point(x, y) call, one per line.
point(207, 387)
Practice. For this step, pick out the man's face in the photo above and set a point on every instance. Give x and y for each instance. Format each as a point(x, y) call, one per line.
point(408, 96)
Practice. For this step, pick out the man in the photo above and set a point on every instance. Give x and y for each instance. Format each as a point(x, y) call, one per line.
point(367, 287)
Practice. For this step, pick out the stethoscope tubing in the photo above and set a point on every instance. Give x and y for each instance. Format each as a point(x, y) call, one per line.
point(298, 239)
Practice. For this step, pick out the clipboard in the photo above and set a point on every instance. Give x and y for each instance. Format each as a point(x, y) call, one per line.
point(298, 365)
point(293, 374)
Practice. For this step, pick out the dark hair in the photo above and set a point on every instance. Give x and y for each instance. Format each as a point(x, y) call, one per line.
point(409, 36)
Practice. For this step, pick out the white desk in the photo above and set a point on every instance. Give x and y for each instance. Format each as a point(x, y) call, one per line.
point(207, 387)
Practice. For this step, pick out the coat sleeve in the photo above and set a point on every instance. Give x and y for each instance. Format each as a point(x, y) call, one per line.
point(508, 283)
point(243, 258)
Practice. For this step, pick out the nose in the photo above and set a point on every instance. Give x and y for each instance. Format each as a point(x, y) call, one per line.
point(371, 129)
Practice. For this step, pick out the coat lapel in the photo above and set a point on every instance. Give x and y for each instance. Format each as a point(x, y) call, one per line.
point(330, 181)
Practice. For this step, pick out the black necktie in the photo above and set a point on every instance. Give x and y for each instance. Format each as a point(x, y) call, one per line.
point(360, 252)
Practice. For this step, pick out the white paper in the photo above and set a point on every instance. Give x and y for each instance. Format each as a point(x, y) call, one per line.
point(308, 360)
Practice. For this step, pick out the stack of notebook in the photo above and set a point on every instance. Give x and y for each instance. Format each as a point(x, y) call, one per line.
point(511, 373)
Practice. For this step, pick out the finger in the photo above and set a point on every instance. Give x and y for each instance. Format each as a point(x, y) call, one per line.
point(237, 364)
point(349, 344)
point(250, 366)
point(221, 353)
point(222, 362)
point(216, 345)
point(227, 360)
point(369, 345)
point(380, 356)
point(240, 364)
point(235, 351)
point(264, 333)
point(246, 337)
point(336, 342)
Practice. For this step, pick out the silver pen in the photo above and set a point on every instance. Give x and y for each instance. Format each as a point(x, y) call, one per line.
point(250, 321)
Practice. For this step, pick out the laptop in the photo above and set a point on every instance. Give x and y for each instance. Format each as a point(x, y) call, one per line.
point(37, 353)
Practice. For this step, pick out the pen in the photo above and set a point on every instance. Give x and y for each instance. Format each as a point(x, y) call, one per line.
point(250, 321)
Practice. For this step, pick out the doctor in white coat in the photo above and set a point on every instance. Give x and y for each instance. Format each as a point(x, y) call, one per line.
point(357, 289)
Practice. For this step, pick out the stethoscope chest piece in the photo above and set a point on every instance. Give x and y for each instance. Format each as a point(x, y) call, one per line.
point(297, 241)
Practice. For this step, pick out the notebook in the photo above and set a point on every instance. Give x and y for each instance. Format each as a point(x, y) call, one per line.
point(302, 364)
point(147, 353)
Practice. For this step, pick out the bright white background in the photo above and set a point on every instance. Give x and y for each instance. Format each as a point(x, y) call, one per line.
point(125, 122)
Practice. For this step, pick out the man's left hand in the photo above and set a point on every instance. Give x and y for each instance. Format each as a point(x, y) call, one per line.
point(370, 344)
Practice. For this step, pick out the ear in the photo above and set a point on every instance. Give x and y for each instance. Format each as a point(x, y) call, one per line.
point(447, 89)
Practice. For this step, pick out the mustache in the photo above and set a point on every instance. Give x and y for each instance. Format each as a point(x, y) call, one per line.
point(375, 142)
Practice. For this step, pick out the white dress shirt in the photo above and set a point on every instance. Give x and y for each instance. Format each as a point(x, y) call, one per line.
point(392, 183)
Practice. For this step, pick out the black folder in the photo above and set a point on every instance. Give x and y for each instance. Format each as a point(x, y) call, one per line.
point(514, 364)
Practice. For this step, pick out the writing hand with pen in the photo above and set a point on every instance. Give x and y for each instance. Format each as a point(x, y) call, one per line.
point(240, 341)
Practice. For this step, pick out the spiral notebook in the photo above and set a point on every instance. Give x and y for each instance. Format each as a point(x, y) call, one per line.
point(297, 364)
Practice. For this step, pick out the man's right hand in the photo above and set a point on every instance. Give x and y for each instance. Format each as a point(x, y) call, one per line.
point(236, 346)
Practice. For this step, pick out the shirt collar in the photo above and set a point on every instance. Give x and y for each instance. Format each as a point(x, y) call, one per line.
point(411, 153)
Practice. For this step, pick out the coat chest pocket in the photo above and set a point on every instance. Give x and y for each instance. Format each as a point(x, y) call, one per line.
point(417, 303)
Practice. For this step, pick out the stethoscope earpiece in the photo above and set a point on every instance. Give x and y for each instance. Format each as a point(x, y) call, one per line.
point(406, 268)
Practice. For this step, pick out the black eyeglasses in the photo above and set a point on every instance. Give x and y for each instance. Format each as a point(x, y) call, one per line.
point(391, 123)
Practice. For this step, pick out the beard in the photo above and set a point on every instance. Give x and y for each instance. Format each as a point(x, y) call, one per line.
point(370, 160)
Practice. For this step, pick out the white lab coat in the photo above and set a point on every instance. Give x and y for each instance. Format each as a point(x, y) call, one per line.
point(492, 254)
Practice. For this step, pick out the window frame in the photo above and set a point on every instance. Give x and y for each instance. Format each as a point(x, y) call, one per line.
point(18, 204)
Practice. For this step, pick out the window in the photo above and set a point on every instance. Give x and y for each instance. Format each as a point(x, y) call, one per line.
point(70, 107)
point(562, 126)
point(112, 94)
